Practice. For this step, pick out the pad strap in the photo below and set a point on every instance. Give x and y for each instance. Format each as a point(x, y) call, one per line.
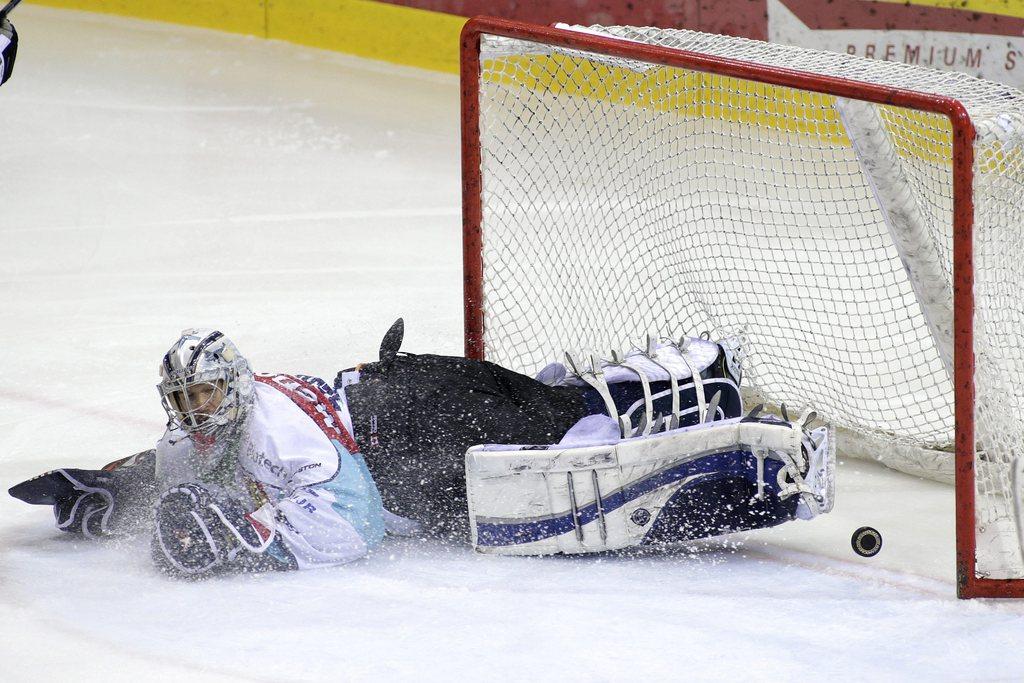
point(698, 381)
point(647, 421)
point(595, 378)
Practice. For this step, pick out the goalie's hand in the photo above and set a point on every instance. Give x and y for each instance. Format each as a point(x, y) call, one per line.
point(197, 532)
point(8, 49)
point(87, 508)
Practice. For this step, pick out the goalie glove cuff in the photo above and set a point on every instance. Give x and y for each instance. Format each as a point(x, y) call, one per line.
point(88, 511)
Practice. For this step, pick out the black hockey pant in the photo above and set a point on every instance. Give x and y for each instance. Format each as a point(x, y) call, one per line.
point(414, 416)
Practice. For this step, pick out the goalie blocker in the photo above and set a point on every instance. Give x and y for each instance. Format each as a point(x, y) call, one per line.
point(681, 484)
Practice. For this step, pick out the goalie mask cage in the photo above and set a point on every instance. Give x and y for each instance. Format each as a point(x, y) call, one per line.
point(857, 223)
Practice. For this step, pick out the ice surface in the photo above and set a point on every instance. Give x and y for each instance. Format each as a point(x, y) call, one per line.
point(157, 177)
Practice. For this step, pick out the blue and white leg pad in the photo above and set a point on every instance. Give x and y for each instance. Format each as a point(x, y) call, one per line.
point(607, 496)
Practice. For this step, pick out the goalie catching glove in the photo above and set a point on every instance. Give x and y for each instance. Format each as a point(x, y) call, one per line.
point(198, 532)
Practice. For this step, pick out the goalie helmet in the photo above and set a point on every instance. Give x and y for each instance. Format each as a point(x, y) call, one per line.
point(205, 383)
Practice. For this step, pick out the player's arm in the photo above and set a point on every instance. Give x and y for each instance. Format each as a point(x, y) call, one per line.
point(330, 511)
point(333, 513)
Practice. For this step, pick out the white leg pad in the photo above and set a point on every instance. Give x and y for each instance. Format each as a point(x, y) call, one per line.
point(600, 497)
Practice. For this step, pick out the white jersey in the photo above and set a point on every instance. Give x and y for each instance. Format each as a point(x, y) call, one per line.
point(297, 469)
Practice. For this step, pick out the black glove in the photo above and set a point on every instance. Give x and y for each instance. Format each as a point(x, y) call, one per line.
point(115, 499)
point(197, 533)
point(88, 506)
point(8, 49)
point(82, 500)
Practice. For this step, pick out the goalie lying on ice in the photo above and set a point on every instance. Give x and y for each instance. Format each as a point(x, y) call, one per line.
point(262, 472)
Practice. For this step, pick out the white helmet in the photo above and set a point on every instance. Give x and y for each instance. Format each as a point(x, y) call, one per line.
point(205, 383)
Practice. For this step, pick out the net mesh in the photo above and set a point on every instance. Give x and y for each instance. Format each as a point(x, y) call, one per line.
point(621, 197)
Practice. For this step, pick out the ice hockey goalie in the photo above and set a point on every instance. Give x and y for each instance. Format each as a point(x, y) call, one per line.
point(260, 472)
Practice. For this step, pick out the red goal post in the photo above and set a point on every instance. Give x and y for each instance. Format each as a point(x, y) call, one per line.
point(963, 163)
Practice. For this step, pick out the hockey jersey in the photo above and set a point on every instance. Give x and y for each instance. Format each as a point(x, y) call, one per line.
point(297, 469)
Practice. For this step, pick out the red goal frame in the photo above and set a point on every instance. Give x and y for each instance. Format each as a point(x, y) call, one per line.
point(968, 584)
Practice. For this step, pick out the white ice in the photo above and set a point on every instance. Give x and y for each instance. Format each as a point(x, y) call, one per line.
point(156, 177)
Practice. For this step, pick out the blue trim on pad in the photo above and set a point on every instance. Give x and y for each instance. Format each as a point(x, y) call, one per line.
point(731, 463)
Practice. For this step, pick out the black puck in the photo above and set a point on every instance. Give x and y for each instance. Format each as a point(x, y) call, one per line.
point(866, 541)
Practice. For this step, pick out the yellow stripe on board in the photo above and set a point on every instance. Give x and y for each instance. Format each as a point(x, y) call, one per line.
point(693, 94)
point(1008, 8)
point(392, 33)
point(236, 16)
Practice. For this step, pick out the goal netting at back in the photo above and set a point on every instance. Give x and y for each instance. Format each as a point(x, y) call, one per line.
point(621, 197)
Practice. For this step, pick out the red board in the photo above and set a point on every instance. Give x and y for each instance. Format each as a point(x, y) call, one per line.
point(746, 18)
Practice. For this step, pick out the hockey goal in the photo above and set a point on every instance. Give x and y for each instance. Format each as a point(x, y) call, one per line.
point(860, 223)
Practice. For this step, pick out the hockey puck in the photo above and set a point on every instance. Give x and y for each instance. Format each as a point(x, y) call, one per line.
point(866, 541)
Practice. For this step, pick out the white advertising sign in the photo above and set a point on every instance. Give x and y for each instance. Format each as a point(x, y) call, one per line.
point(998, 58)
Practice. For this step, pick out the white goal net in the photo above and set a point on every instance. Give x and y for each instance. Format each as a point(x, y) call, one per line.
point(618, 196)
